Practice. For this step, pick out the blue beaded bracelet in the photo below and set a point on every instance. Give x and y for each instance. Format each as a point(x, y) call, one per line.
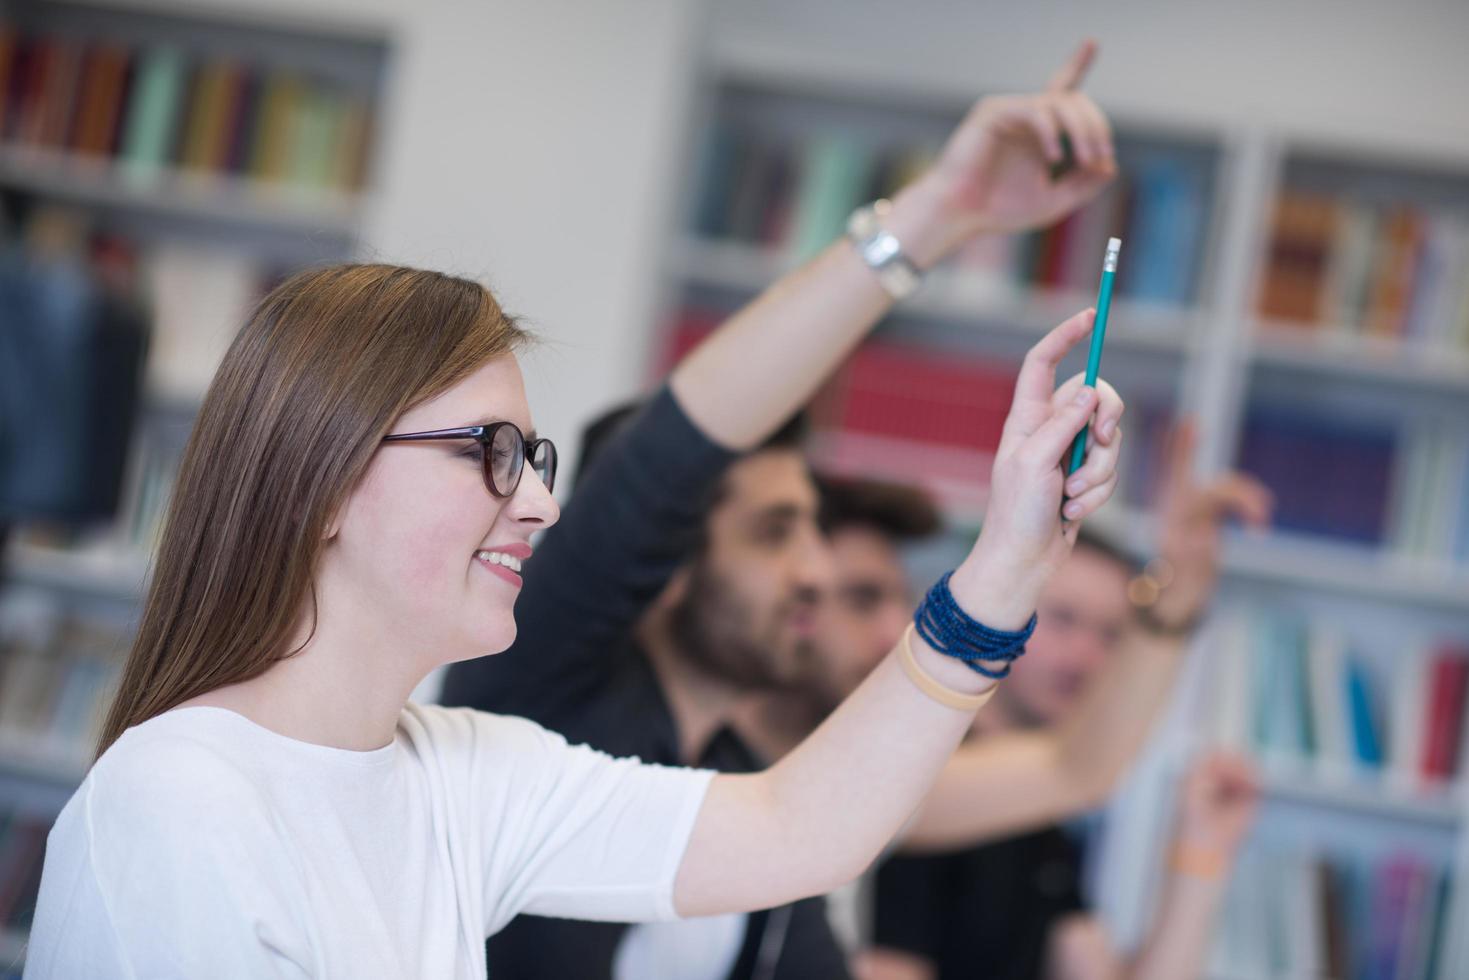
point(954, 633)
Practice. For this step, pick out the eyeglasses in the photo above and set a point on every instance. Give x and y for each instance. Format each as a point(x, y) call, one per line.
point(503, 453)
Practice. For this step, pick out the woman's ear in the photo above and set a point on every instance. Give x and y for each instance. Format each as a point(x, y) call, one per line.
point(333, 525)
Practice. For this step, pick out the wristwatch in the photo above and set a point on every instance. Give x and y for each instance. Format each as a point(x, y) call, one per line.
point(882, 251)
point(1146, 589)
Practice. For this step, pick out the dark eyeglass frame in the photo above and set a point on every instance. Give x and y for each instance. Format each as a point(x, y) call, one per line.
point(485, 436)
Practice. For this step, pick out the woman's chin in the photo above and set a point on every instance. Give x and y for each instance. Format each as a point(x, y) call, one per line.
point(486, 643)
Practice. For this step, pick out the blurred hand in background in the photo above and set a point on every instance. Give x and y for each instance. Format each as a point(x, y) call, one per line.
point(1191, 516)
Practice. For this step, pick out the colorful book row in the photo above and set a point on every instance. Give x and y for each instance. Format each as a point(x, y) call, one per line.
point(896, 410)
point(1349, 266)
point(1337, 916)
point(796, 196)
point(1304, 693)
point(159, 109)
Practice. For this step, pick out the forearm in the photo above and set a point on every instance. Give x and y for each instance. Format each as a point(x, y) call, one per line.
point(1178, 943)
point(1005, 784)
point(1175, 949)
point(822, 814)
point(993, 175)
point(766, 361)
point(1100, 742)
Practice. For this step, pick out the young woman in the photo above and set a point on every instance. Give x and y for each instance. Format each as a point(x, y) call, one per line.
point(352, 510)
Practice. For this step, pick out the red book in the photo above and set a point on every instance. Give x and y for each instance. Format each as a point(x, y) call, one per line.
point(919, 395)
point(59, 100)
point(899, 412)
point(30, 89)
point(9, 62)
point(243, 97)
point(1300, 245)
point(1447, 682)
point(100, 100)
point(1396, 264)
point(1056, 249)
point(686, 332)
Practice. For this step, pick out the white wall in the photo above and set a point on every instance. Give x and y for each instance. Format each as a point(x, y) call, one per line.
point(530, 145)
point(1336, 68)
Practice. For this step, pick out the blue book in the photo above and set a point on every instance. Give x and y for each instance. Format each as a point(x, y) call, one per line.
point(1167, 225)
point(1329, 478)
point(719, 163)
point(1365, 735)
point(1282, 719)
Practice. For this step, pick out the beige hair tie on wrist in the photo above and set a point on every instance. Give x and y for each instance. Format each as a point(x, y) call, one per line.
point(1207, 863)
point(946, 696)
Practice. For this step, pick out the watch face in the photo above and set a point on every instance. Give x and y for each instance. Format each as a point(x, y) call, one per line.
point(882, 252)
point(882, 249)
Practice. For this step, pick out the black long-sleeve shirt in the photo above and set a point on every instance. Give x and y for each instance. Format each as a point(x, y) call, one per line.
point(985, 911)
point(576, 668)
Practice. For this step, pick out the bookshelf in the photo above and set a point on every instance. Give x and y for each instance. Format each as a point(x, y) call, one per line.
point(177, 194)
point(1211, 344)
point(207, 156)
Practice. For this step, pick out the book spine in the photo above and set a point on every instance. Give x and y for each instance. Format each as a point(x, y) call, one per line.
point(152, 113)
point(1445, 715)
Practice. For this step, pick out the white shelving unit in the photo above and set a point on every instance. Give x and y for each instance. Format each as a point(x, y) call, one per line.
point(271, 227)
point(91, 182)
point(1362, 360)
point(108, 574)
point(740, 268)
point(1215, 350)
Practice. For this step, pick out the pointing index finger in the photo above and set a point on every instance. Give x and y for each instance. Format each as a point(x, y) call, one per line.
point(1070, 75)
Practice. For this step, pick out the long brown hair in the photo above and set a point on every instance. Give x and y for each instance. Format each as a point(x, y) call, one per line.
point(322, 368)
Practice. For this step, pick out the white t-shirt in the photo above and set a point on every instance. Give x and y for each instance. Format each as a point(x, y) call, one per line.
point(203, 845)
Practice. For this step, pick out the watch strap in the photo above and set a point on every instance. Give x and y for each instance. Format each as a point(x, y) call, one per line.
point(881, 250)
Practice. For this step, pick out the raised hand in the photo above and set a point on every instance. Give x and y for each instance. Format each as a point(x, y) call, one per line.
point(1192, 515)
point(995, 173)
point(1217, 803)
point(1025, 537)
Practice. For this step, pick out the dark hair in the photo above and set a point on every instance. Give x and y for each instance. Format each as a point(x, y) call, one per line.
point(895, 510)
point(324, 365)
point(602, 431)
point(1100, 542)
point(599, 433)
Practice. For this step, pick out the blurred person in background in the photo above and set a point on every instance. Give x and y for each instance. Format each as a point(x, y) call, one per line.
point(686, 570)
point(1012, 907)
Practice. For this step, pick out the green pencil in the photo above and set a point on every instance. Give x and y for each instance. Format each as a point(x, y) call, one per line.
point(1099, 332)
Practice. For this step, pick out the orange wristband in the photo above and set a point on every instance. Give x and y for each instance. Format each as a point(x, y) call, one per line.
point(946, 696)
point(1198, 862)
